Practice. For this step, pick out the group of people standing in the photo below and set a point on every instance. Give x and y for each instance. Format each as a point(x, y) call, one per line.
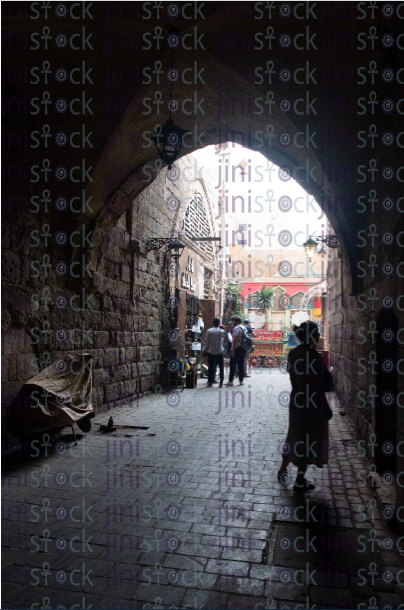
point(236, 342)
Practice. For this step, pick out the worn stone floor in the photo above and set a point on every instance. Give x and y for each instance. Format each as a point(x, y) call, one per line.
point(181, 509)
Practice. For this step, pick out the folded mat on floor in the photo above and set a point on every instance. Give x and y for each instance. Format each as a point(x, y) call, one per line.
point(58, 396)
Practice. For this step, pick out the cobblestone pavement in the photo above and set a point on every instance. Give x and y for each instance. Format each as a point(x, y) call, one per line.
point(184, 511)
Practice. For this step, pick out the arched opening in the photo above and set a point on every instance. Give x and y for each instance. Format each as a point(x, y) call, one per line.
point(262, 218)
point(128, 166)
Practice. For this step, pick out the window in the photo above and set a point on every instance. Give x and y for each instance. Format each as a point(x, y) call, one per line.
point(251, 300)
point(296, 301)
point(240, 236)
point(280, 299)
point(196, 223)
point(208, 283)
point(128, 220)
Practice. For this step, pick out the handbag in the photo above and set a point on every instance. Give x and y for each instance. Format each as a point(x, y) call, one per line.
point(321, 392)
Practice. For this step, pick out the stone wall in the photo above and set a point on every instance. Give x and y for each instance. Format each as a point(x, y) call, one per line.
point(360, 348)
point(117, 312)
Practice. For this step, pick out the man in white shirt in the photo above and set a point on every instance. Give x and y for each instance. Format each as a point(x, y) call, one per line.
point(215, 337)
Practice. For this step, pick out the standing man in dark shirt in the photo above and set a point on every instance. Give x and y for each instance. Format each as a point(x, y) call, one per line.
point(238, 351)
point(246, 323)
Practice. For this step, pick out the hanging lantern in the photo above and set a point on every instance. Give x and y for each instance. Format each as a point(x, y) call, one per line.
point(168, 141)
point(176, 248)
point(310, 247)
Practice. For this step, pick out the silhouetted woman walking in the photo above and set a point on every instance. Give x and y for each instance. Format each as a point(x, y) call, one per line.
point(309, 411)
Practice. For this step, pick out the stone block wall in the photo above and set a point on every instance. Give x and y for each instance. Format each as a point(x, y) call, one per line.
point(358, 315)
point(117, 312)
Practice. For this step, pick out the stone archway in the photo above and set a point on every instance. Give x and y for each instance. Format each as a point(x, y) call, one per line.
point(113, 193)
point(235, 72)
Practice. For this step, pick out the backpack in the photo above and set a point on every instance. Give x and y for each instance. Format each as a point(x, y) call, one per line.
point(248, 342)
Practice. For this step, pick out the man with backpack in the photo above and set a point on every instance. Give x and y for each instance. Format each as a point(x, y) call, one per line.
point(248, 352)
point(242, 342)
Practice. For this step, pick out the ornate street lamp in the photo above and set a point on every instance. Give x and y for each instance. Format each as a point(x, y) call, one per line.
point(176, 249)
point(174, 246)
point(310, 246)
point(173, 243)
point(168, 141)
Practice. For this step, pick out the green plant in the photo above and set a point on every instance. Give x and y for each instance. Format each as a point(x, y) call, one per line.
point(232, 302)
point(265, 300)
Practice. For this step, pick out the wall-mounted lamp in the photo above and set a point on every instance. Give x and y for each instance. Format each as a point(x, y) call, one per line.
point(310, 246)
point(174, 246)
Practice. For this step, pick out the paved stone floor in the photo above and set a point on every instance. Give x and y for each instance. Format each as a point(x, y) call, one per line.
point(180, 508)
